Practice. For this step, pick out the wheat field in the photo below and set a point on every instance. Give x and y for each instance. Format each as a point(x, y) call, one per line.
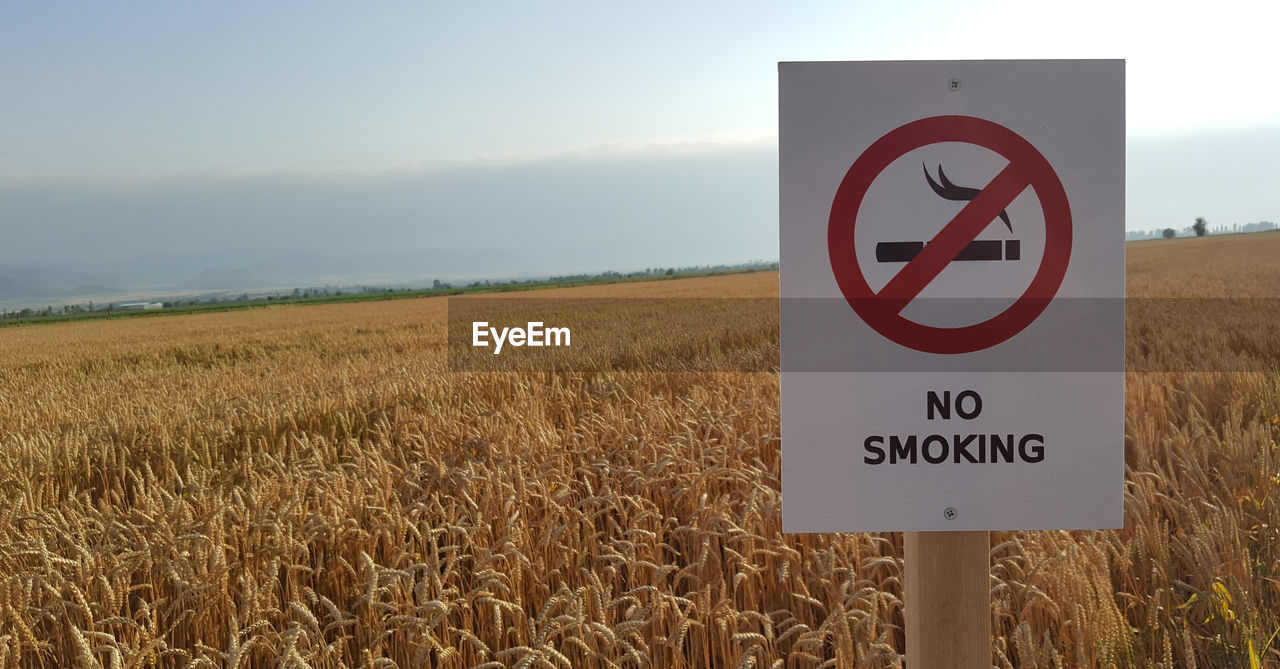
point(311, 486)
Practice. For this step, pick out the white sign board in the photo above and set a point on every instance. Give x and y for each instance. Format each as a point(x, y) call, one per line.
point(952, 260)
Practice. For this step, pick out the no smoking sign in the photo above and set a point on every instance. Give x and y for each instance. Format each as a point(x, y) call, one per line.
point(952, 279)
point(1026, 168)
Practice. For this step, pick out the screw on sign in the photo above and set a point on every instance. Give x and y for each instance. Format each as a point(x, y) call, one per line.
point(881, 310)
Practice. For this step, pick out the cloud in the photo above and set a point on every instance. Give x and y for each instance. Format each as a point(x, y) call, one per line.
point(619, 208)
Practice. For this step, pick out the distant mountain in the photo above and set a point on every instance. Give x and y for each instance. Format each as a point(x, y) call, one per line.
point(24, 281)
point(80, 291)
point(11, 288)
point(235, 278)
point(306, 269)
point(59, 280)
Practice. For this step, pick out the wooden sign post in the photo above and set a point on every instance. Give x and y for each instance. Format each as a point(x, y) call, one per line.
point(952, 282)
point(948, 600)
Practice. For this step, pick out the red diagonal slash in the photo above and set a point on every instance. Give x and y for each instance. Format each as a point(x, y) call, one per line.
point(954, 236)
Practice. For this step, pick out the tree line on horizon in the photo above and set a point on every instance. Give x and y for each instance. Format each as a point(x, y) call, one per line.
point(331, 293)
point(1199, 228)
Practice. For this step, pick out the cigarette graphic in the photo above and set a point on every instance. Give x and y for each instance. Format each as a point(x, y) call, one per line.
point(976, 250)
point(980, 249)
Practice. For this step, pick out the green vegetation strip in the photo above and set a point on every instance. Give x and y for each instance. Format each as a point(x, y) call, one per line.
point(12, 319)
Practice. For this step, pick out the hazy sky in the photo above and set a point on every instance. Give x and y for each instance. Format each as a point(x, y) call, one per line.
point(130, 102)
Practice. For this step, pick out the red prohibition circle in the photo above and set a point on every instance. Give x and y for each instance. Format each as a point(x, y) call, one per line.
point(1026, 168)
